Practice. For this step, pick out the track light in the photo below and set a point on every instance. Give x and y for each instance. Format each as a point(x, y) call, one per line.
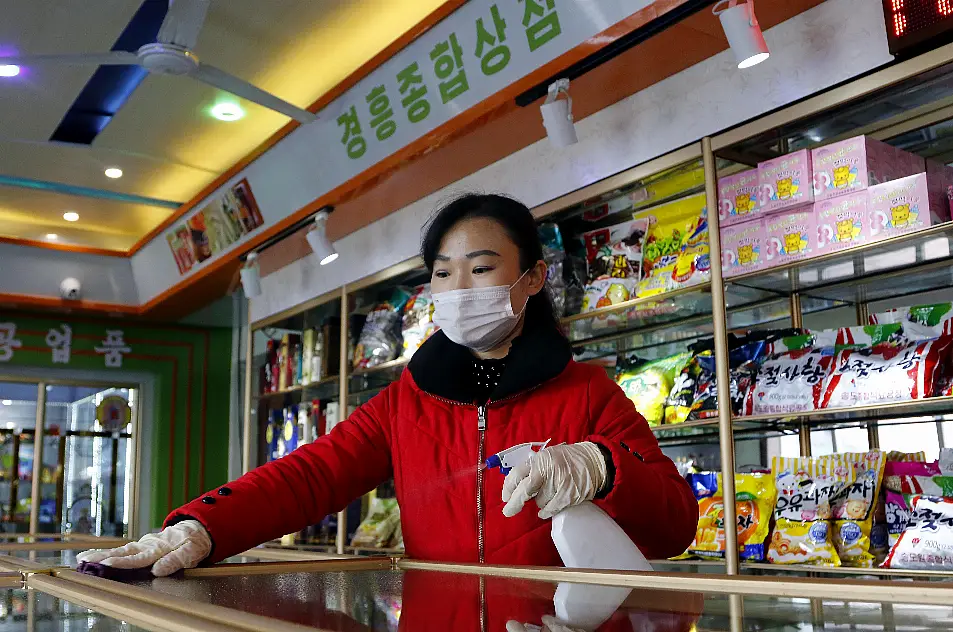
point(557, 115)
point(743, 31)
point(251, 276)
point(318, 238)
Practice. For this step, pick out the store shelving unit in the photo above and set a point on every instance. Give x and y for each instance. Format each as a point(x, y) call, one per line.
point(907, 105)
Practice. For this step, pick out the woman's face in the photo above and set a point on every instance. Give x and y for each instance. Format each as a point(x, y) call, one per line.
point(478, 253)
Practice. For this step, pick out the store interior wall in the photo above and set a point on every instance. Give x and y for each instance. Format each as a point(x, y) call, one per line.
point(191, 405)
point(820, 48)
point(32, 271)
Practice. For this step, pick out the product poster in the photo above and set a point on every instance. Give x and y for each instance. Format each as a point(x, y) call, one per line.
point(222, 222)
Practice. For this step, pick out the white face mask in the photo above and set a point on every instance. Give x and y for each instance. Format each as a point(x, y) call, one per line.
point(477, 318)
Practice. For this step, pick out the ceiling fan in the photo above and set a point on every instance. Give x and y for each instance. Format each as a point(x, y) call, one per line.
point(172, 55)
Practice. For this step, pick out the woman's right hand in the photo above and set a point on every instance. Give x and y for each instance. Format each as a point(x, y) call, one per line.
point(183, 545)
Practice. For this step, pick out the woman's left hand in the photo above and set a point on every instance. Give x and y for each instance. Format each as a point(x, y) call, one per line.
point(558, 477)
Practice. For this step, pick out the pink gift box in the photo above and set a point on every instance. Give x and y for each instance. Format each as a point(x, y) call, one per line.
point(743, 247)
point(857, 164)
point(791, 236)
point(908, 204)
point(842, 222)
point(786, 182)
point(738, 197)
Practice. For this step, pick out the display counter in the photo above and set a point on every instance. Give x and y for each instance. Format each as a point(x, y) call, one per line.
point(350, 595)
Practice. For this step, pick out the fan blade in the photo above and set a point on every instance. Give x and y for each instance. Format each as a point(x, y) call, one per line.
point(183, 22)
point(114, 58)
point(240, 88)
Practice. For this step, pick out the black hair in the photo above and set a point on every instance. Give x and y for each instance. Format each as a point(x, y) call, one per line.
point(519, 225)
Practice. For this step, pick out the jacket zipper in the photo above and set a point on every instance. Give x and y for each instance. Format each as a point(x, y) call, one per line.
point(481, 456)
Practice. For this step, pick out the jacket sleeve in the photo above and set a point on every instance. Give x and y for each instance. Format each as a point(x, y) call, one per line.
point(301, 488)
point(649, 499)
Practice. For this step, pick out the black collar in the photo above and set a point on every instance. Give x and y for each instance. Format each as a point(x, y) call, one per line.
point(444, 369)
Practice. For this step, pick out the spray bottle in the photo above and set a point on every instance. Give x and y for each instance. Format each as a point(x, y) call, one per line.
point(585, 537)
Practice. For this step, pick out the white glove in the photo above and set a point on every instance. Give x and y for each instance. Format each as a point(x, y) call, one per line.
point(550, 624)
point(182, 545)
point(558, 477)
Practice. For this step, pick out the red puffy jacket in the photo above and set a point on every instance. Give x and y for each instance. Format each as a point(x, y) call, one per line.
point(420, 431)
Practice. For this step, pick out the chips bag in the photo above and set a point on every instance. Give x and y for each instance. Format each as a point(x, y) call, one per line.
point(926, 542)
point(885, 373)
point(676, 251)
point(854, 506)
point(858, 337)
point(789, 382)
point(754, 499)
point(377, 529)
point(417, 323)
point(648, 385)
point(804, 511)
point(920, 322)
point(554, 254)
point(380, 339)
point(614, 257)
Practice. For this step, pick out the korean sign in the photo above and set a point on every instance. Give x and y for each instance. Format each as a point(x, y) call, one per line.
point(58, 339)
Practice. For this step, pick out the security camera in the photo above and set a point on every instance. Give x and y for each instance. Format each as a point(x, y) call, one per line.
point(71, 289)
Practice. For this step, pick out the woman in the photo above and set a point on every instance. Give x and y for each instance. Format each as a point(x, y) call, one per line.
point(498, 373)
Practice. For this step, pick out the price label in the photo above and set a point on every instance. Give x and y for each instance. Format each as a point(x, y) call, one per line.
point(913, 22)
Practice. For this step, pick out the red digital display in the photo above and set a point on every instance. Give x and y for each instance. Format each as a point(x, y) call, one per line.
point(913, 22)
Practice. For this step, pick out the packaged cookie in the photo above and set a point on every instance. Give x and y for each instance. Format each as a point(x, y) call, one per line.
point(854, 505)
point(926, 542)
point(754, 500)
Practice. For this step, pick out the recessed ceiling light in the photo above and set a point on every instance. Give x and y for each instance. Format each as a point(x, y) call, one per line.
point(52, 236)
point(227, 111)
point(71, 216)
point(9, 70)
point(8, 402)
point(114, 172)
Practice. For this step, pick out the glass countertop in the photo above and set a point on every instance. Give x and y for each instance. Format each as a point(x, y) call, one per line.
point(34, 611)
point(428, 600)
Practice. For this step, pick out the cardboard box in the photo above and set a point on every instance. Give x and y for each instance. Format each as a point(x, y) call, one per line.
point(842, 222)
point(739, 198)
point(908, 205)
point(743, 247)
point(790, 236)
point(786, 182)
point(857, 164)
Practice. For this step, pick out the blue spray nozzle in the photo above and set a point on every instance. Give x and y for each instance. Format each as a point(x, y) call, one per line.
point(495, 462)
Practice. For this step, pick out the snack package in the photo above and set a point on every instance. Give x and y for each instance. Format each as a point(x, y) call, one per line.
point(648, 385)
point(676, 252)
point(377, 529)
point(854, 506)
point(790, 236)
point(743, 248)
point(926, 542)
point(380, 339)
point(804, 510)
point(920, 322)
point(789, 382)
point(417, 323)
point(739, 197)
point(786, 182)
point(856, 337)
point(858, 163)
point(755, 495)
point(554, 254)
point(907, 205)
point(842, 222)
point(885, 373)
point(891, 504)
point(615, 266)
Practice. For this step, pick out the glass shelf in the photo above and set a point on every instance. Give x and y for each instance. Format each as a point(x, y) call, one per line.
point(800, 570)
point(930, 406)
point(906, 264)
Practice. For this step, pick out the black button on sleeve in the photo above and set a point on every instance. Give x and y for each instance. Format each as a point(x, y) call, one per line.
point(208, 500)
point(224, 491)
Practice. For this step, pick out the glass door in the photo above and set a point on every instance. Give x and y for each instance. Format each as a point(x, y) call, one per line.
point(17, 422)
point(93, 431)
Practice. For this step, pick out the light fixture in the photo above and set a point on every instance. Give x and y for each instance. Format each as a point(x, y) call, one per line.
point(227, 111)
point(113, 172)
point(557, 115)
point(52, 236)
point(9, 70)
point(743, 31)
point(317, 237)
point(11, 425)
point(71, 216)
point(8, 402)
point(251, 276)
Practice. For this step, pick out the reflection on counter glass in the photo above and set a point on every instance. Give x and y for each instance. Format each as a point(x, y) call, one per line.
point(34, 611)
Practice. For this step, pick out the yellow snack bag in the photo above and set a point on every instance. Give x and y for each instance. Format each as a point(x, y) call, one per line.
point(754, 500)
point(803, 512)
point(676, 251)
point(855, 506)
